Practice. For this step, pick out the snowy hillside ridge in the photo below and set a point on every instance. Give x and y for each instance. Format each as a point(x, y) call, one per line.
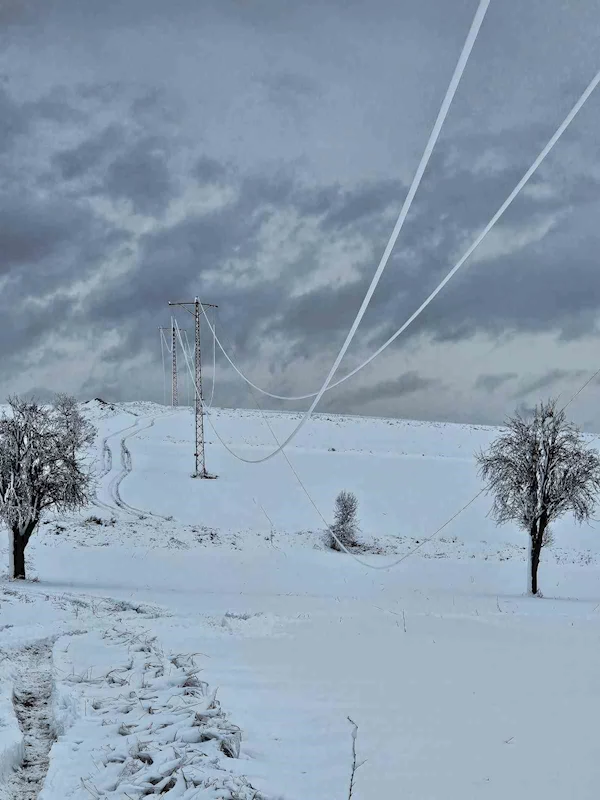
point(409, 478)
point(98, 409)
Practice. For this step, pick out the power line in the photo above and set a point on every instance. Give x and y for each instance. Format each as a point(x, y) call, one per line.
point(422, 166)
point(580, 390)
point(188, 382)
point(562, 128)
point(423, 540)
point(433, 137)
point(505, 205)
point(503, 208)
point(302, 485)
point(214, 369)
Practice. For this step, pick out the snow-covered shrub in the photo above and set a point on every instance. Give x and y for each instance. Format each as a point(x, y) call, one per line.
point(345, 526)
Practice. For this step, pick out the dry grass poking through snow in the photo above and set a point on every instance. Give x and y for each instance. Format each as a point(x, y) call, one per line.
point(153, 728)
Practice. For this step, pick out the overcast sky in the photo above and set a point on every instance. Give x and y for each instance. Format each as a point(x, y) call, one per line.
point(256, 153)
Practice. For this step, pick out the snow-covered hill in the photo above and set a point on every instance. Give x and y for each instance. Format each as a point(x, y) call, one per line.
point(458, 682)
point(409, 477)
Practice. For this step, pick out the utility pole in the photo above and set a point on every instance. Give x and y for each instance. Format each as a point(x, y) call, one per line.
point(174, 397)
point(199, 455)
point(174, 388)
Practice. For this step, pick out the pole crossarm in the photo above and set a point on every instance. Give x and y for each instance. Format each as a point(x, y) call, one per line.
point(186, 303)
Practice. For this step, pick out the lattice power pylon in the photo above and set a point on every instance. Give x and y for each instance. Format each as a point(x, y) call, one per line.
point(174, 388)
point(199, 453)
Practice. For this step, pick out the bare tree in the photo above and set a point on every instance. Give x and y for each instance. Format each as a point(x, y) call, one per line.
point(539, 469)
point(345, 526)
point(41, 467)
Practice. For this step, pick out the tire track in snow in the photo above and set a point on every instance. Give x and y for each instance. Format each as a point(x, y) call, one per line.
point(127, 468)
point(107, 466)
point(31, 700)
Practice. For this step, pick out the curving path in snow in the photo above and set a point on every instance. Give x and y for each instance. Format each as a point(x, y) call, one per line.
point(108, 495)
point(108, 473)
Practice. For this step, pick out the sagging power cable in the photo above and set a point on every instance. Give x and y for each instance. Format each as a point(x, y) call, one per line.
point(509, 200)
point(361, 561)
point(433, 137)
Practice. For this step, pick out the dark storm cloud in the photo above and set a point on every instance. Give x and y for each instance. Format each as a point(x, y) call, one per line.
point(538, 286)
point(208, 170)
point(489, 383)
point(42, 258)
point(14, 121)
point(406, 384)
point(40, 394)
point(91, 153)
point(173, 259)
point(55, 107)
point(13, 12)
point(317, 319)
point(312, 120)
point(547, 381)
point(142, 176)
point(40, 240)
point(349, 208)
point(529, 290)
point(290, 93)
point(172, 262)
point(48, 240)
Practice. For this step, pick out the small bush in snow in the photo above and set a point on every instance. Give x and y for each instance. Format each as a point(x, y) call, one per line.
point(539, 469)
point(345, 526)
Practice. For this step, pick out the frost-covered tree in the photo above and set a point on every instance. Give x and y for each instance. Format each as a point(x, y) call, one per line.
point(345, 525)
point(41, 467)
point(539, 469)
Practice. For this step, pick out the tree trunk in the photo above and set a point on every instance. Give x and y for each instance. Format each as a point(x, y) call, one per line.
point(18, 559)
point(534, 559)
point(20, 540)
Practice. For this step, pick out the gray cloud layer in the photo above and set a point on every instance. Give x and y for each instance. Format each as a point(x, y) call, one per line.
point(258, 154)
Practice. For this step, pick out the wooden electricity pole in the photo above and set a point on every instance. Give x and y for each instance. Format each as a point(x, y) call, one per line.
point(199, 454)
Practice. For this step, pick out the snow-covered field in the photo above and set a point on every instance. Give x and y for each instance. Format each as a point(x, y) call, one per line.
point(171, 588)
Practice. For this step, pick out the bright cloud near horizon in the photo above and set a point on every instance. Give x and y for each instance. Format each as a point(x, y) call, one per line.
point(256, 153)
